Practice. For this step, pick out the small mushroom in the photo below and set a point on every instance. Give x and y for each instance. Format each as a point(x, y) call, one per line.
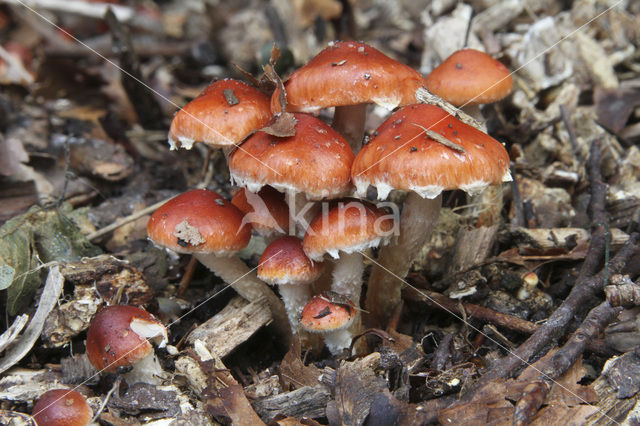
point(266, 211)
point(330, 314)
point(119, 336)
point(62, 407)
point(284, 263)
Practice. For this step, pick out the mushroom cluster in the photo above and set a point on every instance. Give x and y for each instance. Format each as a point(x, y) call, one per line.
point(311, 182)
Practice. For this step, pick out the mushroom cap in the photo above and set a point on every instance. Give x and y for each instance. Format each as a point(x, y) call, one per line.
point(267, 210)
point(62, 407)
point(349, 73)
point(199, 221)
point(116, 336)
point(321, 314)
point(349, 225)
point(316, 161)
point(469, 77)
point(401, 155)
point(223, 115)
point(283, 262)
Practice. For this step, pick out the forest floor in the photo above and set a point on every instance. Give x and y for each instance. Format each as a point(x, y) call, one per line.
point(517, 311)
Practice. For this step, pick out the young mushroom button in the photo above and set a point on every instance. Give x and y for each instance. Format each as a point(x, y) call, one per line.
point(117, 337)
point(284, 263)
point(330, 314)
point(423, 150)
point(62, 407)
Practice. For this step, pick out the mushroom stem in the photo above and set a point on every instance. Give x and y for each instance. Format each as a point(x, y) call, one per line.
point(147, 370)
point(347, 276)
point(349, 121)
point(234, 271)
point(301, 211)
point(347, 281)
point(337, 341)
point(418, 218)
point(294, 298)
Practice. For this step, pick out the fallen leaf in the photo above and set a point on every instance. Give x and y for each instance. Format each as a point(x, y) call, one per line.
point(614, 106)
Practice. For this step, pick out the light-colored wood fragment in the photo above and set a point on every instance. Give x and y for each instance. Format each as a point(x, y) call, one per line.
point(553, 238)
point(232, 326)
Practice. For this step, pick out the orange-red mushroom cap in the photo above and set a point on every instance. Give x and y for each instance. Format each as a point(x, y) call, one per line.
point(267, 210)
point(469, 77)
point(284, 262)
point(116, 337)
point(402, 156)
point(349, 225)
point(349, 73)
point(221, 116)
point(199, 221)
point(322, 314)
point(62, 407)
point(315, 161)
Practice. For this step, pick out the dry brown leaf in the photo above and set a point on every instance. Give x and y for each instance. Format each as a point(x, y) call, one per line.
point(283, 126)
point(615, 106)
point(293, 373)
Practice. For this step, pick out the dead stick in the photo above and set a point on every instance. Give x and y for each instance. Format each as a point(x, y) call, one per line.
point(125, 220)
point(536, 392)
point(440, 301)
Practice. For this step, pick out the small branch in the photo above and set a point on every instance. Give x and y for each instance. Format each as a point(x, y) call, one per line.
point(141, 97)
point(424, 96)
point(552, 368)
point(441, 139)
point(440, 301)
point(118, 223)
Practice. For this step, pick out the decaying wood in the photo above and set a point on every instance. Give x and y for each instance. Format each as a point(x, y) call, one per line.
point(550, 369)
point(560, 238)
point(472, 247)
point(222, 391)
point(626, 295)
point(304, 402)
point(232, 326)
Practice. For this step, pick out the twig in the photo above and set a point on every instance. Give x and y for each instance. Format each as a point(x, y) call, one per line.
point(596, 321)
point(441, 139)
point(118, 223)
point(188, 275)
point(424, 96)
point(104, 402)
point(147, 108)
point(585, 287)
point(440, 301)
